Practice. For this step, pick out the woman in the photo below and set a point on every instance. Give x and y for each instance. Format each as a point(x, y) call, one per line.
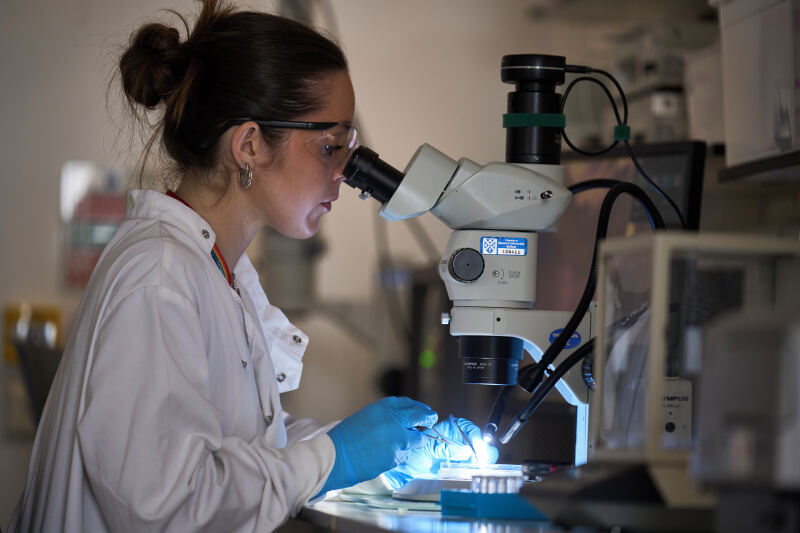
point(165, 413)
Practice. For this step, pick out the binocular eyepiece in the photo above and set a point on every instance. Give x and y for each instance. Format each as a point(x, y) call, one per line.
point(370, 174)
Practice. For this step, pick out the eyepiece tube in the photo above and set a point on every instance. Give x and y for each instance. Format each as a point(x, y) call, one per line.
point(373, 176)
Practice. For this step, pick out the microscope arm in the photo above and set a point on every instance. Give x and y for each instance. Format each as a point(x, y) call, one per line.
point(536, 329)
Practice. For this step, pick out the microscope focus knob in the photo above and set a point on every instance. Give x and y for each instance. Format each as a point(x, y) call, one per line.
point(466, 265)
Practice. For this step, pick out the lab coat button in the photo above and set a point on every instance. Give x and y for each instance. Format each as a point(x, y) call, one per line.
point(297, 339)
point(268, 420)
point(281, 377)
point(206, 234)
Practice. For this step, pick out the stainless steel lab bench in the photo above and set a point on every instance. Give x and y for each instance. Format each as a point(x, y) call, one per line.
point(363, 518)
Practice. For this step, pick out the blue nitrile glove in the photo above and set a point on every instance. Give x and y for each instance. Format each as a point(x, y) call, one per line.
point(425, 461)
point(376, 439)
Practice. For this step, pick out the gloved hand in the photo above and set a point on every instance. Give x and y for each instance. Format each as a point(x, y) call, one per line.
point(376, 439)
point(426, 460)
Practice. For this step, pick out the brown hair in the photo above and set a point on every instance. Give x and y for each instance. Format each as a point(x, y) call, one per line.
point(233, 64)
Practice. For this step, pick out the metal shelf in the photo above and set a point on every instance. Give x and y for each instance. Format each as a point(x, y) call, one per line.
point(783, 168)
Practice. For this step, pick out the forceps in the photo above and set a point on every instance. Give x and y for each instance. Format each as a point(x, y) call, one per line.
point(466, 439)
point(438, 436)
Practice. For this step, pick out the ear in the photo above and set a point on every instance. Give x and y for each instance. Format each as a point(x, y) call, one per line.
point(247, 144)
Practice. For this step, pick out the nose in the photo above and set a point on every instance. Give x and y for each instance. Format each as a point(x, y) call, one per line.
point(338, 172)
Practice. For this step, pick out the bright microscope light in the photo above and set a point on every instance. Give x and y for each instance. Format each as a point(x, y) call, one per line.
point(481, 451)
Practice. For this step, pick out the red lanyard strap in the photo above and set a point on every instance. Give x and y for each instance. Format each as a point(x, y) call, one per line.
point(216, 254)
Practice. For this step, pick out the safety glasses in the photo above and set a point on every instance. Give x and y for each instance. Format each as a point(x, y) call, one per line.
point(333, 145)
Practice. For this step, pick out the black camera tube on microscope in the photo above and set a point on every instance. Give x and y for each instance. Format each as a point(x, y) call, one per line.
point(534, 121)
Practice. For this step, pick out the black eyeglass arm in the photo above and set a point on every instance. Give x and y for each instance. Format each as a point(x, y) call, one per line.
point(287, 124)
point(291, 124)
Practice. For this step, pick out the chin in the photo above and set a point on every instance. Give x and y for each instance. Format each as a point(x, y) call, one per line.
point(308, 234)
point(299, 233)
point(301, 229)
point(305, 231)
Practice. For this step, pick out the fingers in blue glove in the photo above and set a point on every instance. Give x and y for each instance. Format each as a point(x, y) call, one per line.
point(376, 439)
point(445, 444)
point(411, 412)
point(484, 453)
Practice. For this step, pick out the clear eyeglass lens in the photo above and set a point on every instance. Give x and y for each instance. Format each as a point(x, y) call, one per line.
point(333, 146)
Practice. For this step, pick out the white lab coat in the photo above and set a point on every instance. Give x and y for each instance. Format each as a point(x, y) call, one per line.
point(165, 413)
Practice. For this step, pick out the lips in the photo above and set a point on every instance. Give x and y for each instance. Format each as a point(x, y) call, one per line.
point(327, 204)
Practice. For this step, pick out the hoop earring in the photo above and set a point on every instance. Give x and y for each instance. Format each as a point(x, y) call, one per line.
point(245, 175)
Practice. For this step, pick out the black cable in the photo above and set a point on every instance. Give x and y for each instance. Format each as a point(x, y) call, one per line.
point(586, 372)
point(524, 378)
point(558, 344)
point(623, 122)
point(619, 90)
point(500, 400)
point(527, 378)
point(531, 375)
point(588, 359)
point(613, 106)
point(548, 384)
point(599, 183)
point(664, 195)
point(602, 229)
point(498, 408)
point(604, 183)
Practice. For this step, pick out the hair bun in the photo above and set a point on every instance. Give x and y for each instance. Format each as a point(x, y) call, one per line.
point(153, 65)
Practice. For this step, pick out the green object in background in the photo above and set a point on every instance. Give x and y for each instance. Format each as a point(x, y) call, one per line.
point(622, 132)
point(427, 358)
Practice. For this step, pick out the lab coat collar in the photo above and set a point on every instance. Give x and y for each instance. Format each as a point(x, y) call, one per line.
point(150, 204)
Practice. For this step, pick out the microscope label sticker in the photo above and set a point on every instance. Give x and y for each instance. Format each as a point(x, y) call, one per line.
point(573, 342)
point(504, 246)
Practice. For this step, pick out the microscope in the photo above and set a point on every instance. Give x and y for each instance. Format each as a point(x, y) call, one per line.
point(495, 212)
point(639, 476)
